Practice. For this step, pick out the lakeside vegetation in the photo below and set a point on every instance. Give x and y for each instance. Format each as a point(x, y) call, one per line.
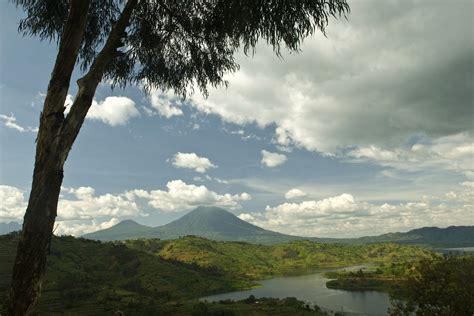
point(156, 276)
point(440, 286)
point(250, 261)
point(382, 277)
point(89, 277)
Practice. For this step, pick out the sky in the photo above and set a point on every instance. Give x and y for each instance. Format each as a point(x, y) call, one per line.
point(367, 130)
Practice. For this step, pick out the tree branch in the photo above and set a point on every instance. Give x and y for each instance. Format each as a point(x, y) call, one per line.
point(88, 83)
point(180, 20)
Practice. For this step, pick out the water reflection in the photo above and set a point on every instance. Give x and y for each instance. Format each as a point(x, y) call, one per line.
point(312, 288)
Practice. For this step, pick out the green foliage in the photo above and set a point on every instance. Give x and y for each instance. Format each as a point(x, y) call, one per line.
point(176, 44)
point(84, 275)
point(250, 261)
point(151, 276)
point(261, 306)
point(385, 277)
point(444, 286)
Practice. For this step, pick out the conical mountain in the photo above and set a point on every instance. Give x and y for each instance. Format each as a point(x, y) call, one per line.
point(127, 229)
point(208, 222)
point(219, 224)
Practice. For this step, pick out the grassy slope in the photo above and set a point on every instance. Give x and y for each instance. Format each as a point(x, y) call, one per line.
point(84, 276)
point(141, 276)
point(251, 261)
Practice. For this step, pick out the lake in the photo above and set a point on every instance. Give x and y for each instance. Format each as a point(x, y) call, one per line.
point(462, 249)
point(312, 288)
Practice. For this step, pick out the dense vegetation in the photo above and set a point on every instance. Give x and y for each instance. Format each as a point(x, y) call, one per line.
point(383, 277)
point(155, 276)
point(443, 286)
point(250, 261)
point(89, 277)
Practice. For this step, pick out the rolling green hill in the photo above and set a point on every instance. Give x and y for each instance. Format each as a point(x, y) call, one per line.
point(218, 224)
point(252, 261)
point(453, 236)
point(94, 278)
point(151, 276)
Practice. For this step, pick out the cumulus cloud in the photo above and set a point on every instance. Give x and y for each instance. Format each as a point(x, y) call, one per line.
point(181, 196)
point(78, 228)
point(294, 193)
point(364, 86)
point(10, 122)
point(272, 160)
point(165, 103)
point(246, 217)
point(192, 161)
point(113, 110)
point(344, 216)
point(454, 152)
point(86, 205)
point(74, 204)
point(81, 210)
point(13, 205)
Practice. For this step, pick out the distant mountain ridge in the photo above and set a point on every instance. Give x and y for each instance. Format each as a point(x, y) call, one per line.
point(453, 236)
point(219, 224)
point(208, 222)
point(6, 228)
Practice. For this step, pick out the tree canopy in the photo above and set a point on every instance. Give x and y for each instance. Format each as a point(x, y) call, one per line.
point(181, 44)
point(444, 286)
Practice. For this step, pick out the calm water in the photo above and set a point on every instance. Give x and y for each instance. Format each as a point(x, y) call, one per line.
point(312, 288)
point(465, 249)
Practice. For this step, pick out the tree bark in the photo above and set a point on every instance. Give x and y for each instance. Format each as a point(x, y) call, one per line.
point(55, 138)
point(35, 238)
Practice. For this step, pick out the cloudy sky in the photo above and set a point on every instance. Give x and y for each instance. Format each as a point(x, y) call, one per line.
point(366, 131)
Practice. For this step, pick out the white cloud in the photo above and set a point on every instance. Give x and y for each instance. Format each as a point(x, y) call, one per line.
point(294, 193)
point(272, 160)
point(166, 103)
point(13, 205)
point(10, 122)
point(87, 205)
point(246, 217)
point(113, 110)
point(343, 216)
point(364, 86)
point(192, 161)
point(454, 153)
point(181, 196)
point(81, 210)
point(78, 228)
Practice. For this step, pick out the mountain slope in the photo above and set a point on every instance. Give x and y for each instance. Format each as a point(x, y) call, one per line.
point(453, 236)
point(127, 229)
point(209, 222)
point(85, 277)
point(219, 224)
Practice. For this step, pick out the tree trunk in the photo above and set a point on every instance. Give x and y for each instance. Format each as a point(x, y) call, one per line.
point(35, 239)
point(55, 138)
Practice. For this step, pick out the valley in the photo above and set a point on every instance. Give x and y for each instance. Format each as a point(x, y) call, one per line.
point(211, 253)
point(218, 224)
point(85, 276)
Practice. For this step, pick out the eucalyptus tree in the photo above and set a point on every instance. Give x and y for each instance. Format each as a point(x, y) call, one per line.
point(167, 44)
